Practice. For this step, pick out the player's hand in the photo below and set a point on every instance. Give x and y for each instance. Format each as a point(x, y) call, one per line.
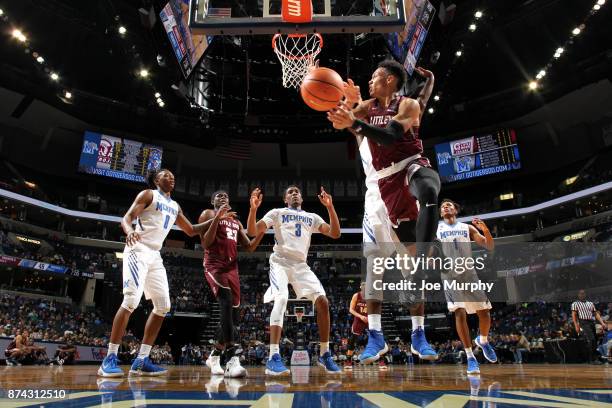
point(352, 92)
point(341, 116)
point(229, 214)
point(256, 198)
point(325, 198)
point(223, 211)
point(478, 223)
point(132, 238)
point(424, 72)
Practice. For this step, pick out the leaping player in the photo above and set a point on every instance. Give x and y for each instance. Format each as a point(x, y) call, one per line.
point(220, 243)
point(456, 240)
point(155, 213)
point(293, 228)
point(395, 174)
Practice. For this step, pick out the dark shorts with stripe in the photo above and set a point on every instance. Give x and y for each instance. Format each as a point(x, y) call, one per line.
point(358, 327)
point(218, 277)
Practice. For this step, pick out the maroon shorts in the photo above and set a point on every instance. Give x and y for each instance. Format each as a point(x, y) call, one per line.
point(224, 278)
point(400, 204)
point(358, 327)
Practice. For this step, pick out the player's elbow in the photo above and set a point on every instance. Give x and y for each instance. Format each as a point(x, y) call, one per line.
point(335, 235)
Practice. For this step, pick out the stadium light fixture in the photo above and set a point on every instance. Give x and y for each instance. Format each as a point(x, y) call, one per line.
point(459, 53)
point(505, 197)
point(436, 98)
point(478, 14)
point(601, 2)
point(162, 104)
point(157, 95)
point(1, 12)
point(68, 95)
point(533, 85)
point(431, 110)
point(541, 74)
point(472, 27)
point(54, 76)
point(576, 31)
point(18, 35)
point(596, 7)
point(40, 59)
point(122, 30)
point(143, 73)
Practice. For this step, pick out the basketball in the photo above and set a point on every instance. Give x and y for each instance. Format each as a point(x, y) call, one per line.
point(322, 89)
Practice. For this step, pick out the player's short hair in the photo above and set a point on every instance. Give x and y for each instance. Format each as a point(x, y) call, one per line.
point(448, 200)
point(290, 186)
point(212, 197)
point(152, 176)
point(397, 70)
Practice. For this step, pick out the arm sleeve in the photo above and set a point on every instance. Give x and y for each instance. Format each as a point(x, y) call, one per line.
point(393, 132)
point(317, 222)
point(270, 218)
point(573, 306)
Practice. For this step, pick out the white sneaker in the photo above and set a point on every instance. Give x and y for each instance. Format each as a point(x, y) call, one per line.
point(233, 369)
point(212, 362)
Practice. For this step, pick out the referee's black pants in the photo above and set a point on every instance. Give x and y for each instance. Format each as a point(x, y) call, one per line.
point(588, 331)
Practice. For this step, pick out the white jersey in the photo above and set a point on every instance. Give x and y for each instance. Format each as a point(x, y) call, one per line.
point(292, 231)
point(455, 239)
point(155, 222)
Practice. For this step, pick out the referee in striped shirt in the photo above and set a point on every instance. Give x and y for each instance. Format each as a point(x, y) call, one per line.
point(584, 315)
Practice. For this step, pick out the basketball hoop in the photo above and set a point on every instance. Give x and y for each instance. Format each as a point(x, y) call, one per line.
point(298, 316)
point(296, 53)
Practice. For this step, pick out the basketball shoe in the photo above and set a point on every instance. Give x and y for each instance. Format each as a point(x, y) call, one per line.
point(375, 348)
point(214, 363)
point(326, 361)
point(145, 367)
point(110, 367)
point(275, 366)
point(233, 369)
point(472, 366)
point(421, 347)
point(487, 350)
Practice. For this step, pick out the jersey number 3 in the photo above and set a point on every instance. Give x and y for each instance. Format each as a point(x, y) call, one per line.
point(298, 230)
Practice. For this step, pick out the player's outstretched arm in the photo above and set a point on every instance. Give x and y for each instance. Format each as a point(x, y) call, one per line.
point(255, 227)
point(485, 240)
point(187, 227)
point(332, 229)
point(425, 94)
point(142, 201)
point(249, 245)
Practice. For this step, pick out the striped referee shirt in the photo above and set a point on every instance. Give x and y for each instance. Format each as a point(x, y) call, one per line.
point(585, 310)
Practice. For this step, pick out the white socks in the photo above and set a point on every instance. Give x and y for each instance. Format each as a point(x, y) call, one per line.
point(374, 322)
point(469, 352)
point(483, 339)
point(274, 349)
point(324, 347)
point(418, 322)
point(145, 350)
point(113, 348)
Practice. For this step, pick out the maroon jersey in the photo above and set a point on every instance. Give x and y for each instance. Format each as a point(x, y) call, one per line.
point(223, 252)
point(409, 145)
point(361, 307)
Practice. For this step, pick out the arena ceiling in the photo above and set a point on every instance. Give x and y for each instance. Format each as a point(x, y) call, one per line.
point(486, 85)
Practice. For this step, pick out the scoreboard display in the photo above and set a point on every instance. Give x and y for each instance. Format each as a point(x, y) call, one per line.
point(478, 156)
point(117, 157)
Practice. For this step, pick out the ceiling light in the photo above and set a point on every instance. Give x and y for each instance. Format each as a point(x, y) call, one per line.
point(122, 30)
point(68, 95)
point(162, 104)
point(144, 73)
point(431, 110)
point(533, 85)
point(478, 14)
point(436, 98)
point(472, 27)
point(601, 2)
point(559, 51)
point(159, 100)
point(157, 94)
point(576, 31)
point(40, 59)
point(596, 7)
point(1, 12)
point(541, 74)
point(54, 76)
point(459, 53)
point(508, 196)
point(17, 34)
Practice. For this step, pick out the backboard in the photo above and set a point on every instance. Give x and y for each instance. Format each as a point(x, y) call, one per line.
point(231, 17)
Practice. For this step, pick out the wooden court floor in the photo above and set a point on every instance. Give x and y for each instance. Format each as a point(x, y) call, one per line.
point(399, 386)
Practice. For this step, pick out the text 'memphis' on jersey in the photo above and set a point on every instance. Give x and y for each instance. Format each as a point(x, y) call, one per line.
point(292, 231)
point(155, 221)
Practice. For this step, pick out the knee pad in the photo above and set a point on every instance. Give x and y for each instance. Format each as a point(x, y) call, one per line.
point(278, 311)
point(130, 303)
point(161, 306)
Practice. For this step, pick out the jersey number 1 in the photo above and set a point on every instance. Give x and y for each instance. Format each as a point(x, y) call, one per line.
point(298, 230)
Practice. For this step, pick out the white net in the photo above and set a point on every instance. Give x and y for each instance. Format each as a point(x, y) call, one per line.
point(297, 54)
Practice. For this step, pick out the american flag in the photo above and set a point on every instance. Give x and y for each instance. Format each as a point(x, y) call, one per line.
point(219, 12)
point(237, 149)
